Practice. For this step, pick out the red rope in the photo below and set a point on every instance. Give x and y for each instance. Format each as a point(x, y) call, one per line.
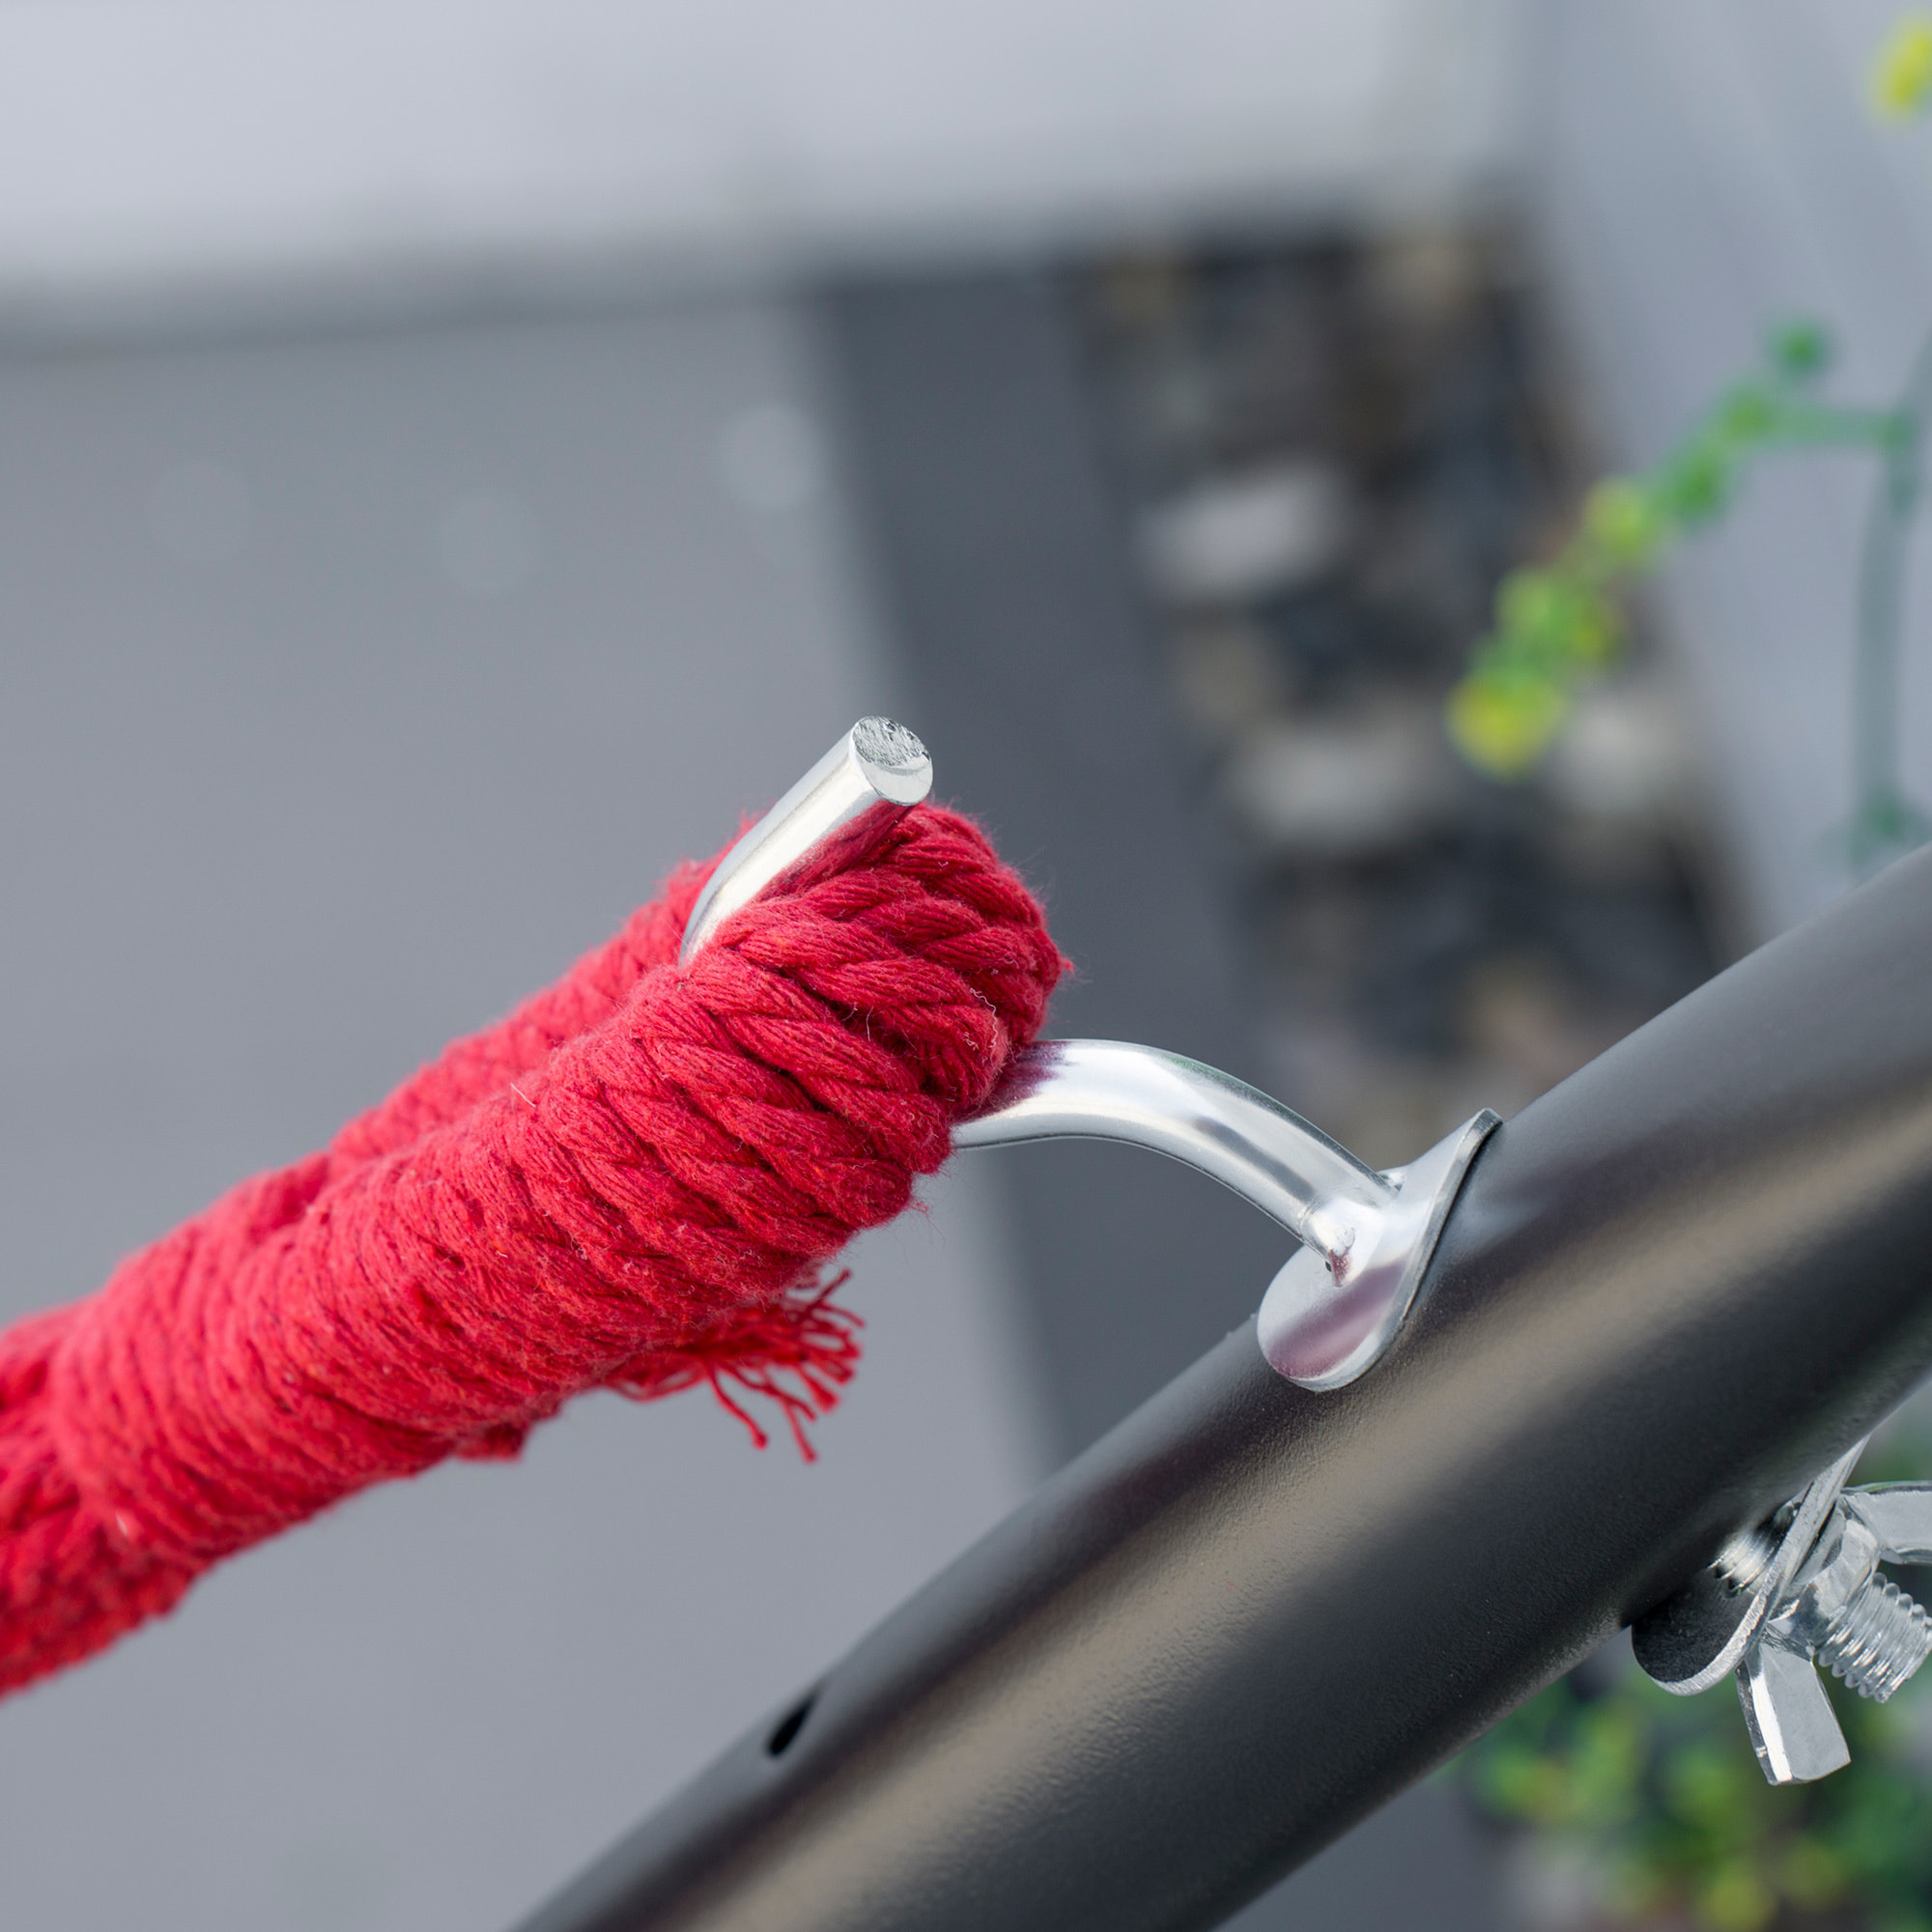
point(633, 1181)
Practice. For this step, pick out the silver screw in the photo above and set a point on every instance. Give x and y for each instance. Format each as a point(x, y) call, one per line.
point(1877, 1640)
point(1789, 1593)
point(1861, 1628)
point(1840, 1611)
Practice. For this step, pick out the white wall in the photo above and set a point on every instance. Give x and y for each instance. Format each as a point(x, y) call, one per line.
point(1703, 168)
point(209, 143)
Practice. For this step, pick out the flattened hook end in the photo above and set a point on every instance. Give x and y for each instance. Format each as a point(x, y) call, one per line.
point(898, 766)
point(835, 814)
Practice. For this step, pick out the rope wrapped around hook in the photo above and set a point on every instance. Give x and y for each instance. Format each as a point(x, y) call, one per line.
point(633, 1181)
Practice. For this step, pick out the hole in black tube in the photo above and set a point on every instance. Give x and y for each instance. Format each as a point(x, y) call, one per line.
point(789, 1725)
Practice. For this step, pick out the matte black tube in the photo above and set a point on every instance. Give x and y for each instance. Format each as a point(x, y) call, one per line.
point(1671, 1290)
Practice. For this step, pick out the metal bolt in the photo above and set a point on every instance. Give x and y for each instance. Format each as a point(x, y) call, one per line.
point(1863, 1628)
point(1814, 1598)
point(1842, 1611)
point(1877, 1640)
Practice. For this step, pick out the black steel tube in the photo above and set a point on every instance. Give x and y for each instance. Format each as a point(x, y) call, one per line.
point(1671, 1289)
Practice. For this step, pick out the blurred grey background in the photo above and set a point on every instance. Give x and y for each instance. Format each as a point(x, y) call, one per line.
point(455, 460)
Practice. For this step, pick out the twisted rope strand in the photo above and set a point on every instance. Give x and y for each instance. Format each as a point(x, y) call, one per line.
point(632, 1182)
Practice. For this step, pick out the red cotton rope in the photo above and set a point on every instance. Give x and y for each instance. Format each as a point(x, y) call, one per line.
point(633, 1183)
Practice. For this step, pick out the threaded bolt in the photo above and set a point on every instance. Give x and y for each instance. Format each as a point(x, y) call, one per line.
point(1877, 1639)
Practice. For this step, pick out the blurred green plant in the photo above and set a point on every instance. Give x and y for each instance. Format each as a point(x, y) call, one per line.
point(1657, 1805)
point(1901, 81)
point(1559, 624)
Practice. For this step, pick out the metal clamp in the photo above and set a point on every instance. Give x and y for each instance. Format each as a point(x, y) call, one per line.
point(1785, 1596)
point(1337, 1304)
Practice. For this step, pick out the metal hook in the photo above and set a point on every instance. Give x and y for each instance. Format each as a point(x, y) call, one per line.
point(835, 814)
point(1334, 1308)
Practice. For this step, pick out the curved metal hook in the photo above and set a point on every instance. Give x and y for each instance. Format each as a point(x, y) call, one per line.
point(830, 818)
point(1332, 1311)
point(1334, 1308)
point(1109, 1090)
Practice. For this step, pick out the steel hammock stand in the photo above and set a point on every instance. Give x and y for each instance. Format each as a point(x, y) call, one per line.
point(1607, 1364)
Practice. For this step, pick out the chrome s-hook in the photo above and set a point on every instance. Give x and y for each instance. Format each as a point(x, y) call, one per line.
point(1337, 1304)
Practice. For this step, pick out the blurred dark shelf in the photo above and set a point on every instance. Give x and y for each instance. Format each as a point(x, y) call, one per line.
point(1329, 455)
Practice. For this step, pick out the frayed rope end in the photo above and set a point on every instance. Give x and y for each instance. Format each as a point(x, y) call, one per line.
point(798, 1354)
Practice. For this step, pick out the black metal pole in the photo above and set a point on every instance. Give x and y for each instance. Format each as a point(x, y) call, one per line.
point(1671, 1292)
